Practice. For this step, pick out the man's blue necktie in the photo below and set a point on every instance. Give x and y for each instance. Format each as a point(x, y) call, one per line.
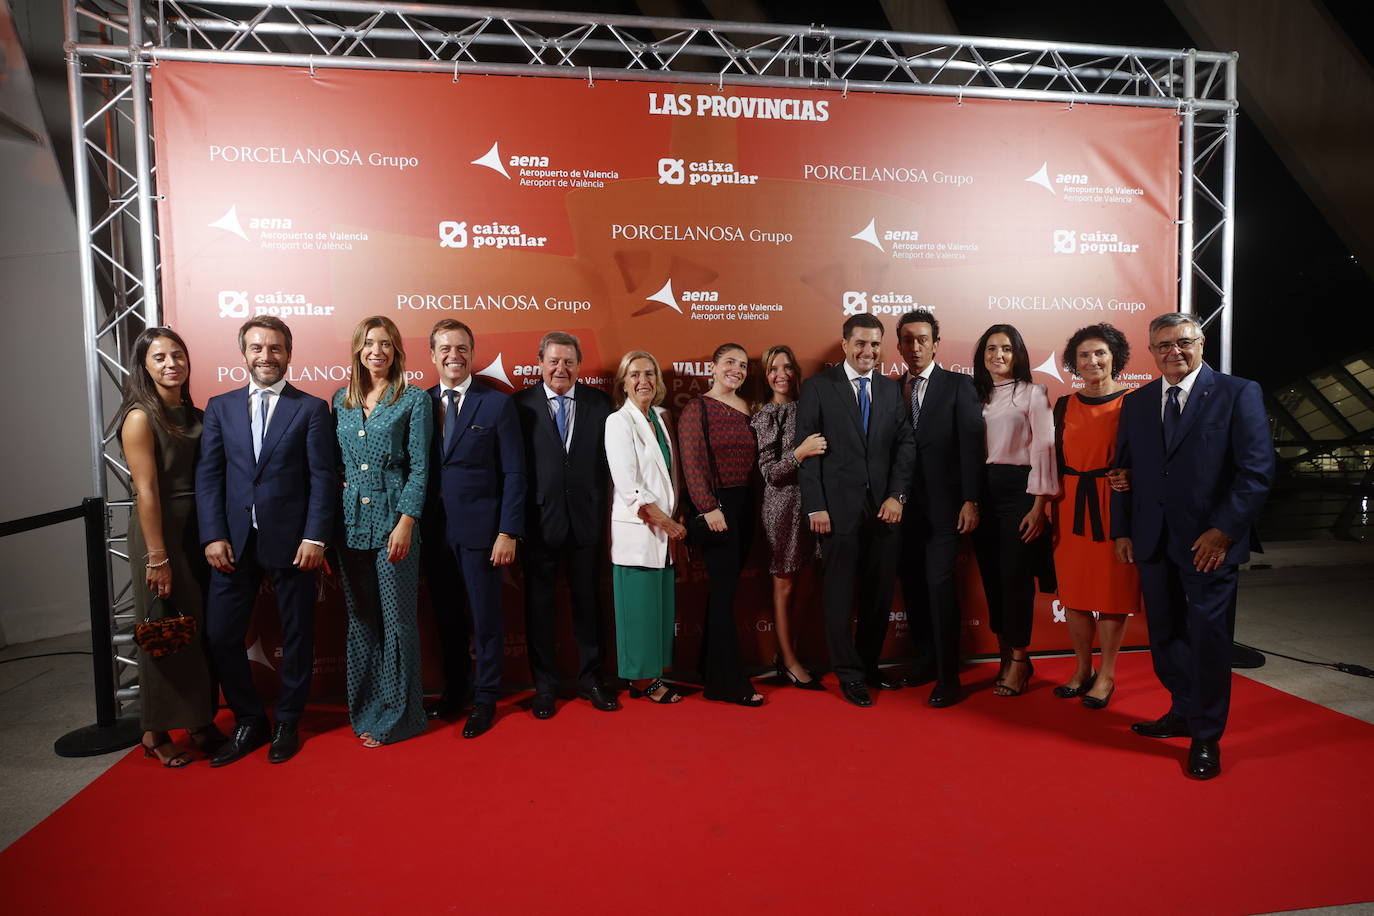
point(562, 418)
point(260, 422)
point(864, 402)
point(450, 417)
point(1172, 412)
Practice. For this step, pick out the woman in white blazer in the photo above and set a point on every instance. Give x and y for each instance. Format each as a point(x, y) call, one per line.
point(644, 478)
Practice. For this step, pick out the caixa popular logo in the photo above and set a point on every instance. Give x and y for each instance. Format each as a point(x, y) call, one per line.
point(238, 304)
point(864, 302)
point(457, 234)
point(1071, 241)
point(708, 172)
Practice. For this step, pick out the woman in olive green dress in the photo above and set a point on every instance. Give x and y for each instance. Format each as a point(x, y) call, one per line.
point(159, 428)
point(384, 428)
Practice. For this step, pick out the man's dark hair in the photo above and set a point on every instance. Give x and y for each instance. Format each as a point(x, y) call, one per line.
point(1114, 339)
point(264, 321)
point(861, 320)
point(916, 316)
point(450, 324)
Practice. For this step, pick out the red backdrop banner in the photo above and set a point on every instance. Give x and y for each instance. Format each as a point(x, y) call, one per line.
point(668, 217)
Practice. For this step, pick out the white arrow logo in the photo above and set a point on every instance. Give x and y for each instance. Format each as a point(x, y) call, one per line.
point(666, 296)
point(229, 222)
point(496, 370)
point(869, 234)
point(255, 654)
point(492, 160)
point(1049, 368)
point(1042, 178)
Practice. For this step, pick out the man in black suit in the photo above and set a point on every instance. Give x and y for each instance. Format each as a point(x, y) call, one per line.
point(564, 425)
point(947, 423)
point(854, 495)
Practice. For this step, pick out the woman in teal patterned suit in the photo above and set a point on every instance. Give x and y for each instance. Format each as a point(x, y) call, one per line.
point(384, 427)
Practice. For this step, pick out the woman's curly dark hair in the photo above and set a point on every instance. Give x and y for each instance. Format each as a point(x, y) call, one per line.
point(1115, 340)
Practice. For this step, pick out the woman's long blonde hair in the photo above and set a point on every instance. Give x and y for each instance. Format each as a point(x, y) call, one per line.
point(395, 378)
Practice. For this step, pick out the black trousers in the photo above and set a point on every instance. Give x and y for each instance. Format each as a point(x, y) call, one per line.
point(929, 552)
point(1006, 565)
point(228, 614)
point(724, 552)
point(582, 565)
point(448, 602)
point(863, 560)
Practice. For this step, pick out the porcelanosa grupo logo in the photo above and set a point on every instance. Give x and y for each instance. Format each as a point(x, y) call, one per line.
point(457, 234)
point(1071, 241)
point(707, 172)
point(238, 304)
point(866, 302)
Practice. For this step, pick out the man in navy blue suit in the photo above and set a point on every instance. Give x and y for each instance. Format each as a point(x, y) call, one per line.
point(1201, 459)
point(266, 487)
point(479, 506)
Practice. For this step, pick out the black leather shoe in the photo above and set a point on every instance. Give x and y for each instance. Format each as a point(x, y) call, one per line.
point(942, 695)
point(482, 717)
point(544, 706)
point(883, 682)
point(448, 708)
point(600, 697)
point(1169, 725)
point(285, 743)
point(857, 693)
point(245, 740)
point(1204, 759)
point(918, 677)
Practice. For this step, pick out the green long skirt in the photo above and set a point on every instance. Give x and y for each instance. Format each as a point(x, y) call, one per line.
point(644, 617)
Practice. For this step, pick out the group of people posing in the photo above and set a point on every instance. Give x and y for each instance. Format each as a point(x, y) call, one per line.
point(877, 477)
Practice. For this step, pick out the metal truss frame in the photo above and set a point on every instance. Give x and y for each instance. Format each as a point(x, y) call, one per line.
point(112, 45)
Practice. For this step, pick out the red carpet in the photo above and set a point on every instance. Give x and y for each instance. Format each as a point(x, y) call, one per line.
point(1025, 805)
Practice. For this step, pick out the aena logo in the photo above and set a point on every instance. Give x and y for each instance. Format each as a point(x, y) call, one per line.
point(1065, 241)
point(855, 302)
point(453, 234)
point(671, 171)
point(233, 303)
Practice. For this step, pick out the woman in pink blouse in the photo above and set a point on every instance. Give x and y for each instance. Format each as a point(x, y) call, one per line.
point(1018, 480)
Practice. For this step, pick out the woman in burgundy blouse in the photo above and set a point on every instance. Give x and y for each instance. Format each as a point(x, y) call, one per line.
point(718, 456)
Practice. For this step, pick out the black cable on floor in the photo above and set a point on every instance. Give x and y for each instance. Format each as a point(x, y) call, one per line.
point(1343, 667)
point(24, 658)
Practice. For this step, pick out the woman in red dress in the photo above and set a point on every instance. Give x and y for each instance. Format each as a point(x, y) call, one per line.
point(1098, 592)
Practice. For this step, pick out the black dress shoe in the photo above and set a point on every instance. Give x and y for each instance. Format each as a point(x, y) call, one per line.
point(482, 717)
point(544, 706)
point(1169, 725)
point(1204, 759)
point(942, 694)
point(245, 740)
point(918, 677)
point(600, 697)
point(857, 693)
point(883, 682)
point(447, 708)
point(285, 743)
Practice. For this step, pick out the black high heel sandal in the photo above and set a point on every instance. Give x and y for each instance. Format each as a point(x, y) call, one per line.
point(1030, 672)
point(1096, 703)
point(786, 673)
point(175, 762)
point(669, 695)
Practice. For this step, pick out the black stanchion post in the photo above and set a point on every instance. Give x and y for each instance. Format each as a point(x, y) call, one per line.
point(109, 733)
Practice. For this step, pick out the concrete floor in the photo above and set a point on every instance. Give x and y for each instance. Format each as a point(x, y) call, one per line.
point(1306, 599)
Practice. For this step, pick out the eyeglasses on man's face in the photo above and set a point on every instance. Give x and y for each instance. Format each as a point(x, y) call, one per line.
point(1183, 344)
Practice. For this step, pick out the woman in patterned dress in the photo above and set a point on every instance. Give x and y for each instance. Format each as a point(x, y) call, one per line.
point(159, 428)
point(384, 427)
point(1091, 581)
point(791, 546)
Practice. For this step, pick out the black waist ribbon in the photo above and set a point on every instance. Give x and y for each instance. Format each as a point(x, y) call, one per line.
point(1086, 501)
